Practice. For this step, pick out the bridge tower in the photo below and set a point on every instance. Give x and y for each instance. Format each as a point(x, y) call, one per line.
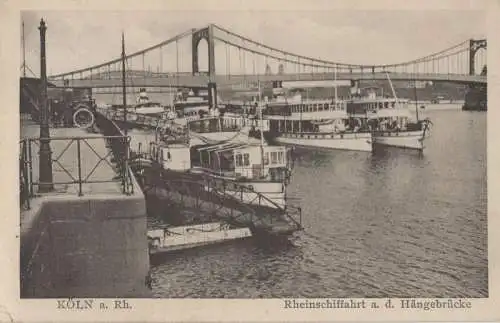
point(474, 46)
point(208, 35)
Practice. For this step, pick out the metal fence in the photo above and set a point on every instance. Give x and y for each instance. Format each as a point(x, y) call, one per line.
point(116, 158)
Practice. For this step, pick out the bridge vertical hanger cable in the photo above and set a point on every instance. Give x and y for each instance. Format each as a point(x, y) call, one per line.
point(161, 60)
point(239, 61)
point(228, 60)
point(143, 68)
point(177, 62)
point(253, 63)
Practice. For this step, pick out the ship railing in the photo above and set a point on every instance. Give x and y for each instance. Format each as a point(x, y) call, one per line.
point(205, 194)
point(154, 122)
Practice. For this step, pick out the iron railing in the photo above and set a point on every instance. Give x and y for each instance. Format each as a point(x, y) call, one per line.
point(227, 200)
point(116, 158)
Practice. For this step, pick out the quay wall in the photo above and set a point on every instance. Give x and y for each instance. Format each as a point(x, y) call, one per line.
point(86, 247)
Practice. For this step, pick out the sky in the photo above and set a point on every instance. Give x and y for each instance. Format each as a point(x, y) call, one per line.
point(78, 39)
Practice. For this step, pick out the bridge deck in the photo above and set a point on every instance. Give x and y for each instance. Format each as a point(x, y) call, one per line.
point(200, 81)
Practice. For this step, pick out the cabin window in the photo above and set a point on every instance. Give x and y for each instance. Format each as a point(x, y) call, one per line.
point(246, 159)
point(386, 105)
point(274, 157)
point(393, 104)
point(281, 158)
point(266, 158)
point(239, 160)
point(380, 105)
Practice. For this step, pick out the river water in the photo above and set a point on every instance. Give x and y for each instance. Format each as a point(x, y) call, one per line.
point(389, 224)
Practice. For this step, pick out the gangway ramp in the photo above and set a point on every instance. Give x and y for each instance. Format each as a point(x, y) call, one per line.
point(206, 194)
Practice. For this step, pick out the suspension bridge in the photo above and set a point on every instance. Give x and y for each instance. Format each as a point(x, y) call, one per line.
point(234, 59)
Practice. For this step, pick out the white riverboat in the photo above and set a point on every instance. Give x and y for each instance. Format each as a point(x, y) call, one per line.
point(250, 171)
point(169, 239)
point(389, 120)
point(190, 106)
point(315, 124)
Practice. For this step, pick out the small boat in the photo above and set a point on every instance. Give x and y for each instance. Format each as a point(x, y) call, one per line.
point(250, 171)
point(211, 125)
point(190, 106)
point(169, 239)
point(145, 106)
point(262, 169)
point(139, 114)
point(216, 128)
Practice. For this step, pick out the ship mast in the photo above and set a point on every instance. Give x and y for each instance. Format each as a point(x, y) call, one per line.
point(260, 116)
point(416, 101)
point(335, 85)
point(260, 128)
point(392, 89)
point(23, 41)
point(24, 53)
point(124, 85)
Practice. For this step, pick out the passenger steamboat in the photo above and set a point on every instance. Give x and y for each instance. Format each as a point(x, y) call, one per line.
point(389, 120)
point(315, 124)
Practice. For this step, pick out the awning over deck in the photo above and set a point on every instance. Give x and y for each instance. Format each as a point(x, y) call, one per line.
point(222, 147)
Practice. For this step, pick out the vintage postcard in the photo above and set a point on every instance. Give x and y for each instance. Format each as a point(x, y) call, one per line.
point(249, 161)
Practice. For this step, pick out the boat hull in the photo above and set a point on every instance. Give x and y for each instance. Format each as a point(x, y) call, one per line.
point(402, 139)
point(357, 142)
point(192, 236)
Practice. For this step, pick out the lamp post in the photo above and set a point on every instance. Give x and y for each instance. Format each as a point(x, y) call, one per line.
point(45, 163)
point(124, 85)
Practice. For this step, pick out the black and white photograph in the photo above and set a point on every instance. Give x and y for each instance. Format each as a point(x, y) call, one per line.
point(254, 154)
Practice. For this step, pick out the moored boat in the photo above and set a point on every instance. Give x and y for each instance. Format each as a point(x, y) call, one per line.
point(315, 124)
point(145, 106)
point(251, 172)
point(389, 120)
point(170, 238)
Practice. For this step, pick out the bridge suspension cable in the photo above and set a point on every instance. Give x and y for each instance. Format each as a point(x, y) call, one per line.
point(325, 63)
point(138, 53)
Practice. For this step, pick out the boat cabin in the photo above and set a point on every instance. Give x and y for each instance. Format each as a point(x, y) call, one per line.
point(245, 162)
point(296, 105)
point(172, 156)
point(372, 103)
